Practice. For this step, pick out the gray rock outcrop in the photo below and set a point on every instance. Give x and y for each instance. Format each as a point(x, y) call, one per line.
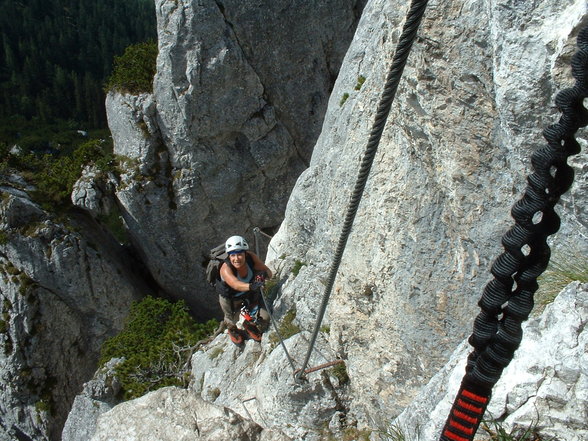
point(258, 382)
point(93, 192)
point(99, 395)
point(64, 289)
point(452, 161)
point(177, 414)
point(543, 388)
point(237, 104)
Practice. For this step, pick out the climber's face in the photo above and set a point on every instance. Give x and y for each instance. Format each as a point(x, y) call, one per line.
point(237, 259)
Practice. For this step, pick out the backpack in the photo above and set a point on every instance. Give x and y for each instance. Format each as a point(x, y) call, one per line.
point(217, 257)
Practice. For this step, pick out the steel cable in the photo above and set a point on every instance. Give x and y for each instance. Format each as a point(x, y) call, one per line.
point(411, 25)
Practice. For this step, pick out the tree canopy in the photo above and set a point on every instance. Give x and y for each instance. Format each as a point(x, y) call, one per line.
point(55, 55)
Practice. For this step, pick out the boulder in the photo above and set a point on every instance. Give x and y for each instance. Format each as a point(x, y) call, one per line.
point(543, 388)
point(179, 415)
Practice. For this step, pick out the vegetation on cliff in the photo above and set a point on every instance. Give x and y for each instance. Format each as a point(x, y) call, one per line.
point(156, 346)
point(135, 69)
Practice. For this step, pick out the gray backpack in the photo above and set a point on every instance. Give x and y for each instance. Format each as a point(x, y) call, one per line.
point(217, 256)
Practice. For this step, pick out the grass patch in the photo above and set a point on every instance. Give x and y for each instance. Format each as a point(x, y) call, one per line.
point(215, 393)
point(271, 289)
point(566, 265)
point(339, 371)
point(343, 99)
point(287, 328)
point(360, 81)
point(154, 343)
point(393, 433)
point(354, 434)
point(497, 432)
point(297, 267)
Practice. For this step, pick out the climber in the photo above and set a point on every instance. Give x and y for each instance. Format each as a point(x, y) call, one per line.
point(242, 275)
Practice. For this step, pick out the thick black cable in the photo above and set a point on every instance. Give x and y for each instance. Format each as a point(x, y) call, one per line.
point(508, 299)
point(411, 25)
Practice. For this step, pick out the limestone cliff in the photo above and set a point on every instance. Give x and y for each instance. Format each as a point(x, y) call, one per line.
point(237, 104)
point(476, 93)
point(65, 288)
point(215, 150)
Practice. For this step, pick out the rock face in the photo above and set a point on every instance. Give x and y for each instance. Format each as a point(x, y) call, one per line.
point(247, 392)
point(64, 289)
point(93, 192)
point(452, 161)
point(258, 383)
point(99, 395)
point(238, 102)
point(176, 414)
point(543, 387)
point(250, 392)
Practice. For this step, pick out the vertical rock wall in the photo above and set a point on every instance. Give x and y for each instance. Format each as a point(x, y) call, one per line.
point(476, 94)
point(238, 101)
point(64, 289)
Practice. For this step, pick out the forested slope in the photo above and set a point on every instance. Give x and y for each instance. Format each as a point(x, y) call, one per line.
point(56, 54)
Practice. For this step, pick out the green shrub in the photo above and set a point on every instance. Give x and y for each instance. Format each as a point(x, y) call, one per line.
point(56, 176)
point(134, 70)
point(339, 371)
point(154, 344)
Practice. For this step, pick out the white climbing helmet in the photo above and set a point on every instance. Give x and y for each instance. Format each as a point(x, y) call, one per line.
point(236, 243)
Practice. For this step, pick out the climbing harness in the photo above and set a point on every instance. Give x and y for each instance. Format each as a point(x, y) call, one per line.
point(411, 25)
point(507, 300)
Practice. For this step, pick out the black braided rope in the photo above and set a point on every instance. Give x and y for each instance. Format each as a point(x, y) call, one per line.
point(507, 300)
point(411, 25)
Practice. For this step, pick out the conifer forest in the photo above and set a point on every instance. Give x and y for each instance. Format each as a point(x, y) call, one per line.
point(55, 57)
